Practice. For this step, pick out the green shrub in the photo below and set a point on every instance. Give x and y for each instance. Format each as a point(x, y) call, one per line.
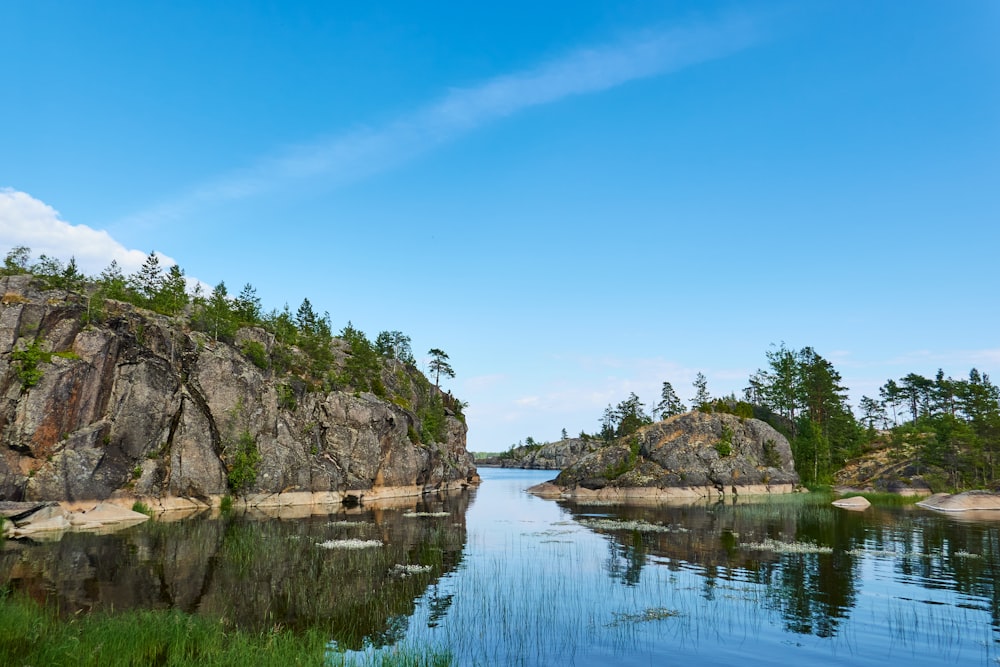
point(286, 397)
point(27, 361)
point(771, 457)
point(256, 353)
point(245, 461)
point(142, 508)
point(725, 444)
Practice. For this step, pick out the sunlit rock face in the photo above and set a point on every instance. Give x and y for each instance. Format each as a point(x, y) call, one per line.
point(695, 454)
point(134, 404)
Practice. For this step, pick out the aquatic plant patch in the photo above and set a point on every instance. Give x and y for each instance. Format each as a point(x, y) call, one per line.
point(637, 525)
point(425, 514)
point(644, 616)
point(348, 524)
point(350, 544)
point(780, 547)
point(400, 570)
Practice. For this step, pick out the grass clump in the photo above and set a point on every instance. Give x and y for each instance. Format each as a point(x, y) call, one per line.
point(887, 499)
point(31, 634)
point(142, 508)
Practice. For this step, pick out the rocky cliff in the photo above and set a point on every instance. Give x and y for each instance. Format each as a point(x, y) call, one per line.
point(125, 402)
point(694, 454)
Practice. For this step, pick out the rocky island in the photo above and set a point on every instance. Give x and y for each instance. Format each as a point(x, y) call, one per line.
point(692, 455)
point(102, 400)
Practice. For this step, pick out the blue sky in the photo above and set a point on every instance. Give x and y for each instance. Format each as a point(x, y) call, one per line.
point(575, 201)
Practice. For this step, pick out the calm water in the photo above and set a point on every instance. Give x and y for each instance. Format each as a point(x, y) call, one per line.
point(499, 577)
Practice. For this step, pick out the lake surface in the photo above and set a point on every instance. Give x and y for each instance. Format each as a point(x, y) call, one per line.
point(499, 577)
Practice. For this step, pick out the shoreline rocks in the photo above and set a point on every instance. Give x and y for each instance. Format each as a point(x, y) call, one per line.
point(968, 501)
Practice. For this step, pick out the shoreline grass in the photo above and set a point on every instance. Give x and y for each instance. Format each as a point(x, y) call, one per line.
point(33, 634)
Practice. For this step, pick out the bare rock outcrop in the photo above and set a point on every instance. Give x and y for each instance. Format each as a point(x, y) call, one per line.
point(134, 404)
point(694, 454)
point(547, 456)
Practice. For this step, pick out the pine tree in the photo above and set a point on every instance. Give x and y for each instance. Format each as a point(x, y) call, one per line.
point(670, 404)
point(439, 365)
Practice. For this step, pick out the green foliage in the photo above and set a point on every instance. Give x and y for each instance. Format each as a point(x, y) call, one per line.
point(439, 365)
point(362, 366)
point(226, 504)
point(433, 423)
point(286, 397)
point(142, 508)
point(246, 306)
point(31, 634)
point(27, 361)
point(626, 464)
point(771, 457)
point(16, 261)
point(803, 398)
point(725, 444)
point(701, 396)
point(624, 419)
point(243, 463)
point(670, 404)
point(256, 353)
point(215, 315)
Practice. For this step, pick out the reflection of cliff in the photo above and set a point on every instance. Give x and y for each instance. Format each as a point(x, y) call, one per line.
point(256, 574)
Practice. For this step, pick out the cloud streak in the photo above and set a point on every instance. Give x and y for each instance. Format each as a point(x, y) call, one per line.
point(366, 151)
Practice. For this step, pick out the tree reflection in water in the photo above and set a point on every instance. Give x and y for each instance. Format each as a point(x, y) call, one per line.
point(810, 569)
point(257, 574)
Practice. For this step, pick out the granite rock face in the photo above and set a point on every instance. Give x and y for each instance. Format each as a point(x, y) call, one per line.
point(138, 405)
point(549, 456)
point(706, 454)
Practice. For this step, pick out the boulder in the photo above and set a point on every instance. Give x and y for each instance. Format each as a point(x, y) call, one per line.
point(963, 502)
point(854, 503)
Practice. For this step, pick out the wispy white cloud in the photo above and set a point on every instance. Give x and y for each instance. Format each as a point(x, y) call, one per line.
point(26, 221)
point(368, 150)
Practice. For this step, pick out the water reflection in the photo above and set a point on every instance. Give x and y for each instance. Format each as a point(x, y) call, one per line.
point(257, 574)
point(806, 555)
point(496, 576)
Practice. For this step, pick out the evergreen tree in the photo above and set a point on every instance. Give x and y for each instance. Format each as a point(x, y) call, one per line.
point(701, 396)
point(669, 404)
point(172, 295)
point(630, 415)
point(148, 280)
point(872, 411)
point(247, 305)
point(439, 365)
point(395, 345)
point(112, 282)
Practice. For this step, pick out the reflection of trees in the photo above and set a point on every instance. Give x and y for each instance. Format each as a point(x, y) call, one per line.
point(255, 575)
point(625, 561)
point(813, 592)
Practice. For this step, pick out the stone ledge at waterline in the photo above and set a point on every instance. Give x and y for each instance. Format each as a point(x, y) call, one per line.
point(133, 404)
point(693, 455)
